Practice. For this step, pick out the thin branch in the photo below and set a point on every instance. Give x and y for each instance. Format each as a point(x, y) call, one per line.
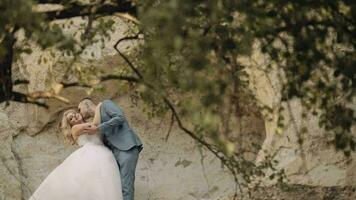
point(20, 82)
point(33, 97)
point(22, 98)
point(166, 100)
point(46, 95)
point(75, 84)
point(168, 103)
point(50, 1)
point(89, 27)
point(128, 17)
point(102, 79)
point(124, 57)
point(187, 131)
point(134, 37)
point(170, 127)
point(86, 10)
point(200, 149)
point(119, 77)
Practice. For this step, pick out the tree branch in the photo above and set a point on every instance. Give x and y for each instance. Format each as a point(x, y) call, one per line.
point(20, 82)
point(50, 1)
point(75, 84)
point(32, 98)
point(170, 128)
point(6, 59)
point(85, 10)
point(23, 98)
point(102, 79)
point(119, 77)
point(175, 115)
point(124, 57)
point(46, 95)
point(166, 100)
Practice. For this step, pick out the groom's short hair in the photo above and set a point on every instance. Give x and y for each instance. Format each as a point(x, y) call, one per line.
point(86, 98)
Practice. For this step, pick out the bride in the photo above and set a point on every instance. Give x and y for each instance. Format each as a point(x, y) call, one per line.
point(89, 173)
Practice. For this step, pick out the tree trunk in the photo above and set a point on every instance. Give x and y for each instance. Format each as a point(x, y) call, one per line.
point(6, 59)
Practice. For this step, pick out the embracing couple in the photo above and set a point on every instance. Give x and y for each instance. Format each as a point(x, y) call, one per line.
point(103, 168)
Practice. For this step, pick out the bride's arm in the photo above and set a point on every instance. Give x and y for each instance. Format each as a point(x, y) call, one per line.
point(78, 129)
point(96, 120)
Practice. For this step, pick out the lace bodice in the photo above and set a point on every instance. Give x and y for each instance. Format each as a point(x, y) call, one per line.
point(93, 139)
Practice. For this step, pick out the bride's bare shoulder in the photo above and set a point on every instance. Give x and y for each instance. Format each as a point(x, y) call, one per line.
point(78, 126)
point(75, 127)
point(97, 109)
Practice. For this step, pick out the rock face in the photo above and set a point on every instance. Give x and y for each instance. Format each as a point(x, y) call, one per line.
point(315, 162)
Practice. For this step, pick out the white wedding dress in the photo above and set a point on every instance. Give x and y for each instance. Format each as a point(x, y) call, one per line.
point(89, 173)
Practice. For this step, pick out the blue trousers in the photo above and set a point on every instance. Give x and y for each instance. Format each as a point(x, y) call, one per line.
point(127, 161)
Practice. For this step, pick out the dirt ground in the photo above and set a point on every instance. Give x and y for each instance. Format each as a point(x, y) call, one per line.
point(301, 192)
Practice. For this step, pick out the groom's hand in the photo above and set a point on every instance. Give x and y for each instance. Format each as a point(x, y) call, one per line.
point(92, 129)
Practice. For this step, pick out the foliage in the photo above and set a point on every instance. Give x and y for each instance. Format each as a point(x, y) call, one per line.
point(192, 48)
point(189, 63)
point(191, 55)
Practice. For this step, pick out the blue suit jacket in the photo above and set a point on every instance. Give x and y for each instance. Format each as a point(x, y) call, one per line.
point(115, 128)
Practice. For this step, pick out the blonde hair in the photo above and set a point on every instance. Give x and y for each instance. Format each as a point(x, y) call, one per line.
point(66, 128)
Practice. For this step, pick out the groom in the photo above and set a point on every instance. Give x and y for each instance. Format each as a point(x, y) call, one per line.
point(119, 137)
